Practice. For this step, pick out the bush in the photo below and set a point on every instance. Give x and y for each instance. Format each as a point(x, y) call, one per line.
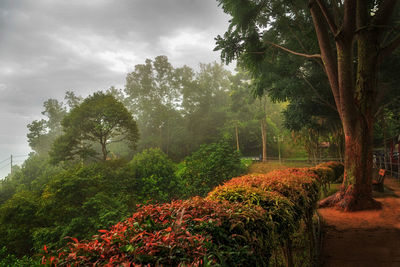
point(240, 223)
point(337, 167)
point(288, 196)
point(17, 222)
point(298, 185)
point(278, 208)
point(208, 167)
point(7, 259)
point(325, 175)
point(78, 201)
point(181, 233)
point(155, 176)
point(246, 163)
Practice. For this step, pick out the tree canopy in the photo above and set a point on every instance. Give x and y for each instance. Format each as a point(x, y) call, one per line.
point(100, 119)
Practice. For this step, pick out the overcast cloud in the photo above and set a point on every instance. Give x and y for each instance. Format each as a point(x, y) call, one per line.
point(50, 46)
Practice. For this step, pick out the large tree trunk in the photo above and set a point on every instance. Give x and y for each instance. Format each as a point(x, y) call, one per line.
point(104, 151)
point(356, 190)
point(357, 108)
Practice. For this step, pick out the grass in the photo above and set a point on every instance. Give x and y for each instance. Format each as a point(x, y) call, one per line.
point(265, 167)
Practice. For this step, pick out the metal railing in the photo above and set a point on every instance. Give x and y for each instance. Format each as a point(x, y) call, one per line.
point(390, 166)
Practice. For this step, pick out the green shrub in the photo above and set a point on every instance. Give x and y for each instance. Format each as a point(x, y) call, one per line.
point(208, 167)
point(18, 221)
point(288, 196)
point(326, 176)
point(78, 201)
point(336, 166)
point(154, 175)
point(278, 208)
point(246, 164)
point(9, 260)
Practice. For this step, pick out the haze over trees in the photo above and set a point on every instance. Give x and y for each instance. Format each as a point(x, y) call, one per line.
point(99, 119)
point(309, 73)
point(352, 39)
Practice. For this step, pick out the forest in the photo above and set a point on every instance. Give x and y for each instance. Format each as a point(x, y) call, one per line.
point(168, 170)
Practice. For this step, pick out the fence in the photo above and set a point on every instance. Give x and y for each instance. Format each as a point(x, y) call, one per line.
point(390, 164)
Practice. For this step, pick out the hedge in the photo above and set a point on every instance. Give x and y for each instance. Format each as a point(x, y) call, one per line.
point(337, 167)
point(239, 223)
point(181, 233)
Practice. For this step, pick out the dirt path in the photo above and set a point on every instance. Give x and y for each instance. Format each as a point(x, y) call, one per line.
point(365, 238)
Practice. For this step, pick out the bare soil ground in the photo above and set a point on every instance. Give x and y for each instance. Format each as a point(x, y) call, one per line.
point(364, 238)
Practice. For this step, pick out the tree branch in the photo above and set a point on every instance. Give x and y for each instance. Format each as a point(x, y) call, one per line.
point(319, 62)
point(382, 107)
point(327, 53)
point(328, 17)
point(390, 48)
point(336, 11)
point(318, 94)
point(349, 18)
point(293, 52)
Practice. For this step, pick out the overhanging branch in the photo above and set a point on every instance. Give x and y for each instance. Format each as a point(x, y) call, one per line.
point(318, 94)
point(390, 48)
point(293, 52)
point(319, 62)
point(329, 19)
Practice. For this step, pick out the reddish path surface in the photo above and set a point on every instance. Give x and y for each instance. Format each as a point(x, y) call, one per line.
point(365, 238)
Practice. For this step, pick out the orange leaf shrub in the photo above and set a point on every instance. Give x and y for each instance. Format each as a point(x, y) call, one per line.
point(181, 233)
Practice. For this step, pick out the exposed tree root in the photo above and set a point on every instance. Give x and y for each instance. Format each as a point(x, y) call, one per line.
point(348, 200)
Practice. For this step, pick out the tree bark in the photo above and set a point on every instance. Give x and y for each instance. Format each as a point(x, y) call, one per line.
point(104, 150)
point(264, 139)
point(355, 93)
point(357, 108)
point(237, 137)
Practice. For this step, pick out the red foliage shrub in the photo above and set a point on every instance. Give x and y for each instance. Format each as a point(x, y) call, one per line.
point(188, 233)
point(236, 225)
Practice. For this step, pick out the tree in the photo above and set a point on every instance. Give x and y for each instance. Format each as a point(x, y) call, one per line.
point(354, 37)
point(43, 132)
point(205, 105)
point(254, 115)
point(152, 91)
point(100, 119)
point(72, 99)
point(177, 109)
point(208, 167)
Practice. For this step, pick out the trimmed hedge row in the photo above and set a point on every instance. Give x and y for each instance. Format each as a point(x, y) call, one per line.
point(337, 167)
point(193, 232)
point(239, 223)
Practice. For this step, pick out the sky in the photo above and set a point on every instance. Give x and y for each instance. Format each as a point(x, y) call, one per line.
point(48, 47)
